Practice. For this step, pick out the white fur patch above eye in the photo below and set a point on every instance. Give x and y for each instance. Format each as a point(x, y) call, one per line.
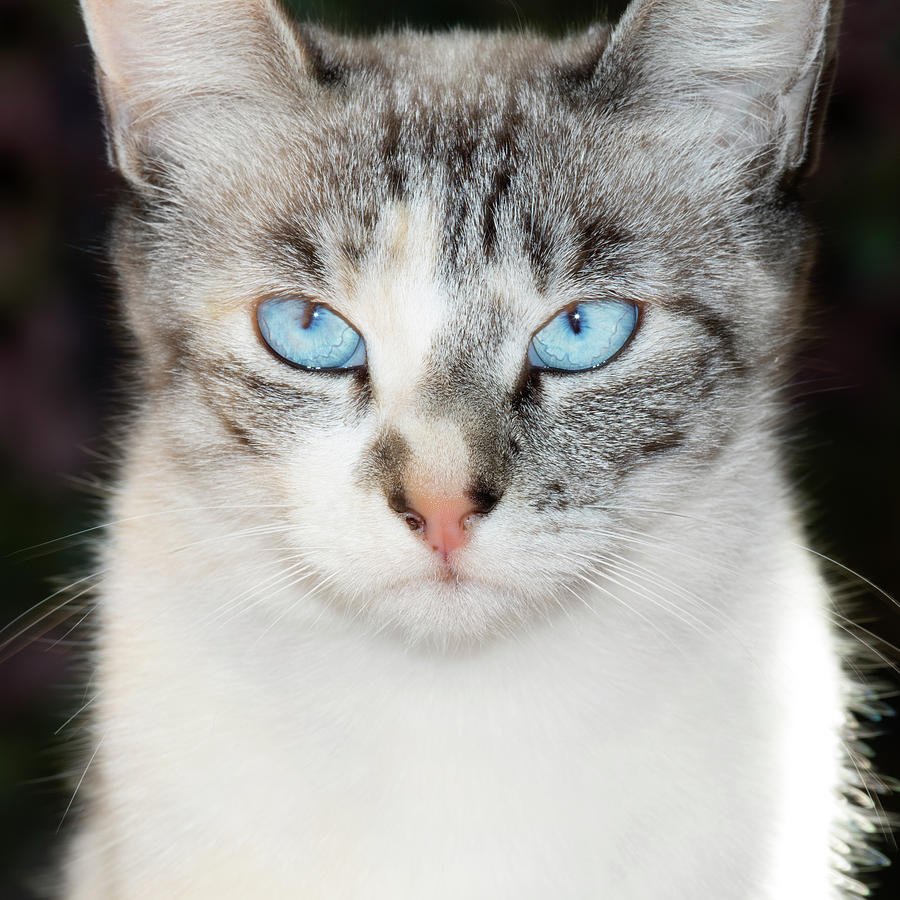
point(400, 304)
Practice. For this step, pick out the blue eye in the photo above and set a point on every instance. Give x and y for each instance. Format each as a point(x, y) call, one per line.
point(583, 336)
point(309, 335)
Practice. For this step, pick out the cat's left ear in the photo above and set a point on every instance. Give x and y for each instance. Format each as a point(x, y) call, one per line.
point(167, 68)
point(760, 71)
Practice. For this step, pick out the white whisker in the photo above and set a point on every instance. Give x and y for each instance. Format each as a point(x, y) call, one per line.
point(80, 781)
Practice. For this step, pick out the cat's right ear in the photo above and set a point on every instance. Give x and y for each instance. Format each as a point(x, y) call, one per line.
point(756, 74)
point(157, 59)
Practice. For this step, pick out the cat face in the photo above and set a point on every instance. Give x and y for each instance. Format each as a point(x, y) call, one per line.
point(447, 199)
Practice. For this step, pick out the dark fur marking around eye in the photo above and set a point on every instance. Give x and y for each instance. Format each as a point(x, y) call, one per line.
point(308, 254)
point(597, 242)
point(229, 404)
point(715, 325)
point(667, 442)
point(232, 377)
point(527, 391)
point(241, 436)
point(634, 424)
point(361, 386)
point(299, 243)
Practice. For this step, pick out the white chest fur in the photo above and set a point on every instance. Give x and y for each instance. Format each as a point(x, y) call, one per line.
point(597, 754)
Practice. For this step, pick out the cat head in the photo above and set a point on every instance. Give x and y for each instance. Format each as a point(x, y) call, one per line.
point(464, 306)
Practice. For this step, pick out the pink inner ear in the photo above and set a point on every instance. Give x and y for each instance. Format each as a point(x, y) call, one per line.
point(163, 50)
point(114, 30)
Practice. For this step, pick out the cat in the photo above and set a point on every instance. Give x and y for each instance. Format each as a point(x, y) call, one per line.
point(453, 551)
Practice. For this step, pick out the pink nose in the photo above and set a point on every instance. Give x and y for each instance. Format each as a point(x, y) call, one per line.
point(443, 522)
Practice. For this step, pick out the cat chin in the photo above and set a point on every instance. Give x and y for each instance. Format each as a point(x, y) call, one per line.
point(448, 613)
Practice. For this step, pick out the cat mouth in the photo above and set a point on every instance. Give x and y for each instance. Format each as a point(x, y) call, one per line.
point(449, 574)
point(445, 576)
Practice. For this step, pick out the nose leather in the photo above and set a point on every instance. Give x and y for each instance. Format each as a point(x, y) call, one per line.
point(443, 522)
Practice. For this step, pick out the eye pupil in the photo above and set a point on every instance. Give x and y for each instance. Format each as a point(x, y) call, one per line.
point(310, 312)
point(575, 320)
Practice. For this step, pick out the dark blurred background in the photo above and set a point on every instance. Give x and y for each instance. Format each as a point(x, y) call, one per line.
point(59, 353)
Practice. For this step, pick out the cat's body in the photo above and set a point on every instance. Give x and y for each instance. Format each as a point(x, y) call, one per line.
point(610, 673)
point(547, 765)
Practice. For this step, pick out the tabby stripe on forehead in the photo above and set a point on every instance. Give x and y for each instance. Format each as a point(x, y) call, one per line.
point(394, 176)
point(460, 168)
point(501, 180)
point(538, 244)
point(499, 186)
point(466, 149)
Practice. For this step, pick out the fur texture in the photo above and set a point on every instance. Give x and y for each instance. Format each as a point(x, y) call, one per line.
point(629, 687)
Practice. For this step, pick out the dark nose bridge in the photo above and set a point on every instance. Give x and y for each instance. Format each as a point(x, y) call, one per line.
point(385, 464)
point(463, 388)
point(458, 390)
point(399, 460)
point(485, 414)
